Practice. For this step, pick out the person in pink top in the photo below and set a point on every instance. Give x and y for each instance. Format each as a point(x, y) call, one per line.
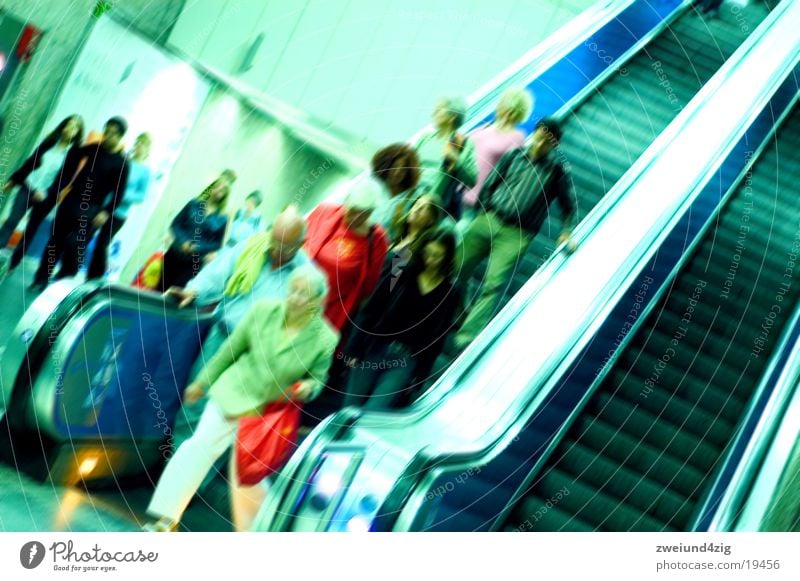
point(496, 138)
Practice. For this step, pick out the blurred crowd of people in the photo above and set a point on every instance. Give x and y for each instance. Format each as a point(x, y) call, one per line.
point(356, 300)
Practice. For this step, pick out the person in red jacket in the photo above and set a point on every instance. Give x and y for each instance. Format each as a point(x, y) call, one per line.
point(344, 242)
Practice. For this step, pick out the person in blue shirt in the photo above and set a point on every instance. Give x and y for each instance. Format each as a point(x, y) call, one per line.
point(246, 221)
point(135, 193)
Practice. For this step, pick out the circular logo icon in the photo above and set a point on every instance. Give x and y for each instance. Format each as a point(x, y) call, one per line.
point(31, 554)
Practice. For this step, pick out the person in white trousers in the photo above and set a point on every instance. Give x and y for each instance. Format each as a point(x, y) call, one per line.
point(276, 345)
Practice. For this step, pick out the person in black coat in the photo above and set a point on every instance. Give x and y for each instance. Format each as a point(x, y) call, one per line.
point(101, 176)
point(402, 328)
point(40, 179)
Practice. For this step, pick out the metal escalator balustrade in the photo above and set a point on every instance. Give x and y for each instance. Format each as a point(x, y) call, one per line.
point(683, 384)
point(751, 453)
point(766, 498)
point(97, 372)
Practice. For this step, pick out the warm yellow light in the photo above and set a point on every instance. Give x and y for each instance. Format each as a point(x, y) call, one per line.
point(87, 465)
point(70, 502)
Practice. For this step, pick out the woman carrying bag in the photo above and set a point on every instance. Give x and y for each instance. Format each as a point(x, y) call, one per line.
point(281, 350)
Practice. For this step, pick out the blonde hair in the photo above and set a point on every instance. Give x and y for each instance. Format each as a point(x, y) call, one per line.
point(455, 106)
point(518, 102)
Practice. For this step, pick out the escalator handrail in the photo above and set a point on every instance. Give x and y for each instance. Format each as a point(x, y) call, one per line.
point(302, 464)
point(781, 378)
point(779, 466)
point(62, 301)
point(478, 452)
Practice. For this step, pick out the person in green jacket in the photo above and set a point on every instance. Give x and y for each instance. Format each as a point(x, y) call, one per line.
point(277, 344)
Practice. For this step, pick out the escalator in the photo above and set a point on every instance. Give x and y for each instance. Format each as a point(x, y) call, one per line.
point(642, 451)
point(607, 131)
point(91, 380)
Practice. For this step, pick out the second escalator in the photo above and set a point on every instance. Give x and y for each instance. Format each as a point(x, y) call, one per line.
point(643, 451)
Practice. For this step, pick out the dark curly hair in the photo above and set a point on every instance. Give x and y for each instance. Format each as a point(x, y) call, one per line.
point(397, 165)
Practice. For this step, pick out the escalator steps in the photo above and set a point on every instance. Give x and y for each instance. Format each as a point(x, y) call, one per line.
point(698, 377)
point(533, 516)
point(630, 488)
point(647, 427)
point(592, 506)
point(670, 408)
point(639, 456)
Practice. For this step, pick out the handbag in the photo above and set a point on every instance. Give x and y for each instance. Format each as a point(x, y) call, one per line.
point(150, 274)
point(264, 443)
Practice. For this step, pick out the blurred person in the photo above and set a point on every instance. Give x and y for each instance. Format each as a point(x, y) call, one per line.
point(40, 179)
point(246, 221)
point(256, 269)
point(447, 157)
point(512, 207)
point(277, 344)
point(402, 328)
point(344, 242)
point(426, 214)
point(101, 176)
point(135, 193)
point(708, 8)
point(397, 167)
point(496, 138)
point(197, 233)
